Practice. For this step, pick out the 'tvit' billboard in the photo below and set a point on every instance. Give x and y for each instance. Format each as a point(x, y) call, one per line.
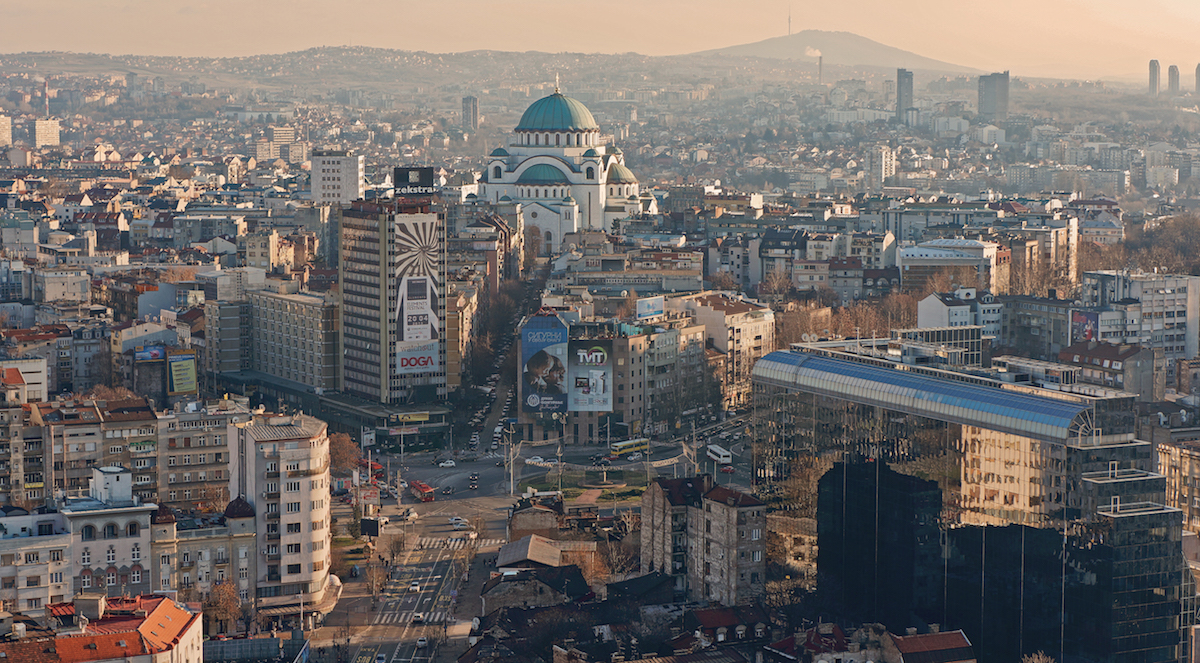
point(589, 375)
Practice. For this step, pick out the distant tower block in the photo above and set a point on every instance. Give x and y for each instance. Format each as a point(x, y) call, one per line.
point(1154, 78)
point(1198, 79)
point(1173, 80)
point(904, 92)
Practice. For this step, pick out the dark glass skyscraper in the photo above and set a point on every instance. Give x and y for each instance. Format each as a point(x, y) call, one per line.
point(904, 92)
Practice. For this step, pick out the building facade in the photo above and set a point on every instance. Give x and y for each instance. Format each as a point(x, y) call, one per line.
point(338, 177)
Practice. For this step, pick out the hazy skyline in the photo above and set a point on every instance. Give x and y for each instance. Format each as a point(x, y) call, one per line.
point(1107, 39)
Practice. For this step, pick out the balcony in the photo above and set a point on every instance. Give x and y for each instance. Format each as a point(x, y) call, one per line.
point(273, 577)
point(271, 496)
point(222, 560)
point(272, 536)
point(273, 557)
point(272, 475)
point(272, 515)
point(186, 564)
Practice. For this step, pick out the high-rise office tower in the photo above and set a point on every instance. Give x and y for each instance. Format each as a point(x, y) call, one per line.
point(993, 97)
point(392, 275)
point(45, 133)
point(470, 113)
point(904, 92)
point(1154, 78)
point(337, 177)
point(1173, 80)
point(6, 126)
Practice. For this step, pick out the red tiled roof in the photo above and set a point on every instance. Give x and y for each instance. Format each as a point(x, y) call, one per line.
point(12, 376)
point(949, 642)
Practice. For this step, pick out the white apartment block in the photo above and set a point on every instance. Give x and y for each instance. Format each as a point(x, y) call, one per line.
point(35, 566)
point(295, 337)
point(45, 133)
point(1154, 310)
point(337, 177)
point(110, 535)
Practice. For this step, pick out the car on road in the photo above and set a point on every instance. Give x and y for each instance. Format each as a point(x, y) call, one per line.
point(613, 457)
point(637, 455)
point(603, 462)
point(462, 525)
point(474, 486)
point(535, 459)
point(552, 461)
point(446, 463)
point(403, 484)
point(457, 519)
point(414, 586)
point(381, 659)
point(474, 476)
point(418, 618)
point(422, 642)
point(499, 463)
point(448, 490)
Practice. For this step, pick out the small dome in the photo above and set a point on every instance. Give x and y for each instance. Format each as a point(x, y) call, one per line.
point(542, 173)
point(557, 113)
point(592, 153)
point(505, 199)
point(613, 149)
point(568, 200)
point(471, 196)
point(163, 516)
point(499, 152)
point(239, 508)
point(619, 174)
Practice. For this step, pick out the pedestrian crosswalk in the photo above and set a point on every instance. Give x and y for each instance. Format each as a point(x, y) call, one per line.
point(457, 543)
point(390, 615)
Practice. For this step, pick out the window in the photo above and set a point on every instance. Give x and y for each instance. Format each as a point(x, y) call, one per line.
point(755, 534)
point(293, 528)
point(135, 576)
point(497, 173)
point(85, 581)
point(171, 461)
point(243, 574)
point(111, 579)
point(293, 467)
point(33, 603)
point(164, 560)
point(56, 555)
point(756, 556)
point(33, 581)
point(88, 532)
point(293, 548)
point(293, 486)
point(85, 557)
point(31, 558)
point(136, 553)
point(132, 529)
point(293, 568)
point(293, 507)
point(110, 555)
point(56, 577)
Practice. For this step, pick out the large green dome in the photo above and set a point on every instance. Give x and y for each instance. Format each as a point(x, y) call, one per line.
point(542, 174)
point(557, 113)
point(619, 174)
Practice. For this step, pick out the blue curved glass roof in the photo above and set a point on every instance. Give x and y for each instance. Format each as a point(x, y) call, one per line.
point(1030, 415)
point(557, 113)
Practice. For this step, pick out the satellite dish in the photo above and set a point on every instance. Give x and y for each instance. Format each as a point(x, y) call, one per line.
point(807, 338)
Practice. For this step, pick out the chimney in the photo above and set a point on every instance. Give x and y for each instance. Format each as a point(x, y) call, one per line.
point(935, 628)
point(911, 630)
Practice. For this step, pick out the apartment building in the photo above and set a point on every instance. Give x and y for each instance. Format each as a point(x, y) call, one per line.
point(963, 307)
point(198, 552)
point(282, 469)
point(741, 329)
point(295, 337)
point(194, 454)
point(34, 561)
point(337, 176)
point(709, 538)
point(110, 535)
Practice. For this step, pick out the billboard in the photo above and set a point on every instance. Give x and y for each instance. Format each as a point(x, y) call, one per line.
point(181, 373)
point(410, 416)
point(419, 259)
point(649, 307)
point(413, 182)
point(543, 365)
point(1085, 326)
point(368, 436)
point(149, 353)
point(589, 375)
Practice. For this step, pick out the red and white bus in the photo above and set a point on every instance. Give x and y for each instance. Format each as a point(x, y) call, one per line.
point(421, 490)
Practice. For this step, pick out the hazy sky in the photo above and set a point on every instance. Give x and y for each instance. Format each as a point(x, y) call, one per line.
point(1078, 38)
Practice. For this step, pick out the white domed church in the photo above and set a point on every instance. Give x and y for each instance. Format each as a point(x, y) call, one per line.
point(557, 168)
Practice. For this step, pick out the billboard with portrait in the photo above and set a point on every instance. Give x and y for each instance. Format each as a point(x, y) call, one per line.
point(419, 260)
point(181, 373)
point(1085, 326)
point(543, 365)
point(650, 307)
point(589, 375)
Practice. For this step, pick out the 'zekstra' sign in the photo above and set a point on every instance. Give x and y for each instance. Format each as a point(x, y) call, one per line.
point(410, 182)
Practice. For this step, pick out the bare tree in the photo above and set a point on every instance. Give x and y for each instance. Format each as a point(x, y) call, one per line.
point(177, 274)
point(103, 392)
point(396, 545)
point(775, 286)
point(1037, 657)
point(724, 280)
point(376, 577)
point(223, 604)
point(213, 498)
point(344, 454)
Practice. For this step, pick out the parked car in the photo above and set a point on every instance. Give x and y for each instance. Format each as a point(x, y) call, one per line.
point(446, 463)
point(414, 586)
point(474, 486)
point(535, 459)
point(728, 469)
point(637, 455)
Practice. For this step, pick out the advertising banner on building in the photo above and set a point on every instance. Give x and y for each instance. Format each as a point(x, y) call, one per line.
point(411, 182)
point(1085, 326)
point(149, 353)
point(418, 282)
point(544, 365)
point(181, 373)
point(650, 307)
point(589, 375)
point(368, 436)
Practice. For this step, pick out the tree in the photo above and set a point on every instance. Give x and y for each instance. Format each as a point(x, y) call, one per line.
point(213, 498)
point(376, 577)
point(724, 280)
point(103, 392)
point(1038, 657)
point(344, 454)
point(396, 545)
point(176, 274)
point(776, 284)
point(949, 278)
point(223, 604)
point(628, 306)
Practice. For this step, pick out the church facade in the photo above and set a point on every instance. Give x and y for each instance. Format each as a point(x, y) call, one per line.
point(559, 170)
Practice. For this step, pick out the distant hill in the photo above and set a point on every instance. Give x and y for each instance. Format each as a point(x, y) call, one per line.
point(838, 48)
